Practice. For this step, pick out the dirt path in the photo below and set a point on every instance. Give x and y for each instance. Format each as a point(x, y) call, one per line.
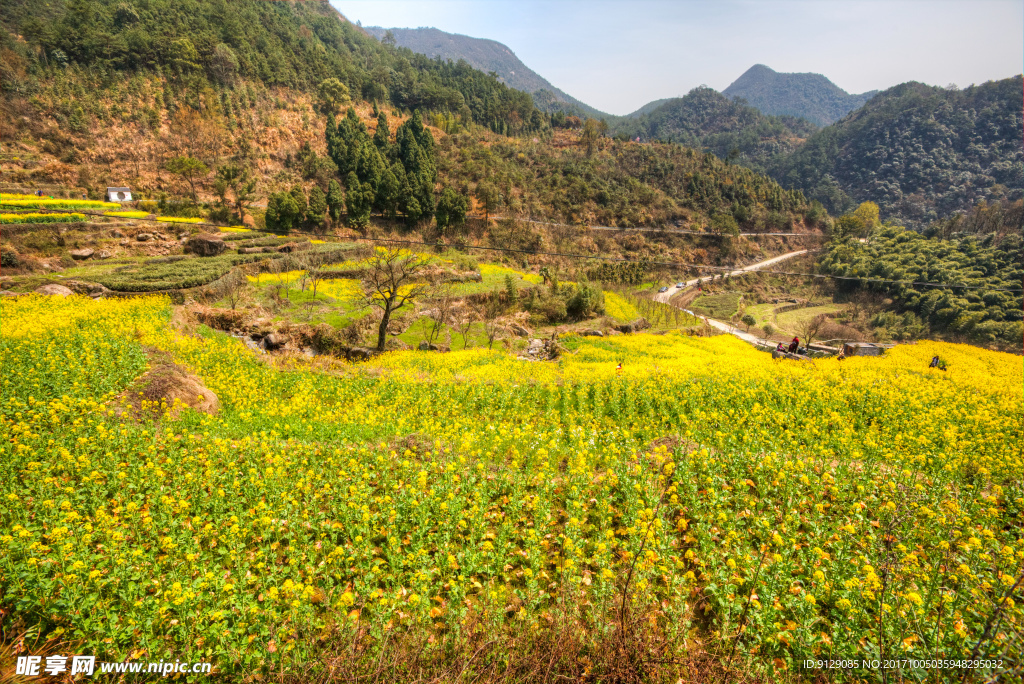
point(665, 296)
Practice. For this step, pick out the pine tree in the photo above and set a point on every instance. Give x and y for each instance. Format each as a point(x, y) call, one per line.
point(382, 136)
point(358, 200)
point(335, 200)
point(317, 207)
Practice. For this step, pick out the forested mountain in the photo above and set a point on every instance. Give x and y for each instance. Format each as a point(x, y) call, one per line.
point(487, 56)
point(708, 120)
point(918, 151)
point(197, 45)
point(811, 96)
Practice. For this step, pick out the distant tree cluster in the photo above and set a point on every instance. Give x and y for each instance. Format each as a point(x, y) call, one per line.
point(390, 178)
point(920, 152)
point(986, 315)
point(707, 120)
point(221, 44)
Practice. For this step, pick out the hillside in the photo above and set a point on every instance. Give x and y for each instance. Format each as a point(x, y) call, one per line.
point(919, 152)
point(487, 56)
point(987, 313)
point(810, 96)
point(708, 120)
point(81, 56)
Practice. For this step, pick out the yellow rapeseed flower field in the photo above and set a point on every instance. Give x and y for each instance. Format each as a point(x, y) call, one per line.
point(795, 509)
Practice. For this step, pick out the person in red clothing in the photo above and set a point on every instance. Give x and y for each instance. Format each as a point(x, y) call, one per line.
point(794, 345)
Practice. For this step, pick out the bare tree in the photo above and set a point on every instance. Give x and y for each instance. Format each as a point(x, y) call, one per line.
point(809, 329)
point(237, 291)
point(313, 262)
point(390, 283)
point(493, 325)
point(277, 268)
point(443, 301)
point(464, 318)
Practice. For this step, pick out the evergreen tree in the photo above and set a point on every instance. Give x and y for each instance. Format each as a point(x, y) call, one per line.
point(382, 136)
point(451, 210)
point(301, 204)
point(335, 200)
point(389, 192)
point(358, 200)
point(283, 211)
point(317, 207)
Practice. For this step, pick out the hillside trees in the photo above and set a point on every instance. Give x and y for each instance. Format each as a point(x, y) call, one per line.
point(451, 210)
point(305, 46)
point(191, 170)
point(919, 152)
point(382, 176)
point(240, 181)
point(989, 312)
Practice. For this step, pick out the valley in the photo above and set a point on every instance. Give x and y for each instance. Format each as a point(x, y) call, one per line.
point(391, 368)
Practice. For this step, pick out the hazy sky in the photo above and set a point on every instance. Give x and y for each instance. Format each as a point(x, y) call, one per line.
point(618, 55)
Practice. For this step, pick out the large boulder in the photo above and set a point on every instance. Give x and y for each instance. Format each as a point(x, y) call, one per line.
point(94, 290)
point(144, 237)
point(635, 326)
point(360, 354)
point(274, 341)
point(81, 254)
point(520, 330)
point(54, 289)
point(591, 333)
point(205, 245)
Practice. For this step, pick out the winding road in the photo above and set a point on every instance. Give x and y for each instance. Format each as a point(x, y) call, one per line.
point(664, 297)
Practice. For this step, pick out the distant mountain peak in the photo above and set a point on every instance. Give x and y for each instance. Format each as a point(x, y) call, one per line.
point(487, 56)
point(808, 95)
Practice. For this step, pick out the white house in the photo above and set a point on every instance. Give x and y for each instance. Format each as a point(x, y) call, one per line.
point(119, 194)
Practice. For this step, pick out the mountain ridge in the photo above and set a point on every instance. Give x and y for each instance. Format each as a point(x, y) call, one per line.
point(811, 96)
point(920, 152)
point(488, 56)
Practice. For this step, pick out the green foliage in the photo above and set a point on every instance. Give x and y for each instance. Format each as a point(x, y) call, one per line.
point(707, 120)
point(283, 211)
point(302, 45)
point(982, 315)
point(331, 95)
point(585, 301)
point(918, 151)
point(451, 210)
point(622, 185)
point(174, 273)
point(358, 200)
point(392, 178)
point(335, 201)
point(317, 209)
point(809, 96)
point(631, 273)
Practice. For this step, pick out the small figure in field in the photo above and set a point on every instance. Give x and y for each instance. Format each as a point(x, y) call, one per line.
point(842, 355)
point(781, 347)
point(794, 345)
point(618, 369)
point(934, 363)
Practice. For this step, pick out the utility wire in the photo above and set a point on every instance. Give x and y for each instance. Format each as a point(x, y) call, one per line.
point(698, 266)
point(728, 269)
